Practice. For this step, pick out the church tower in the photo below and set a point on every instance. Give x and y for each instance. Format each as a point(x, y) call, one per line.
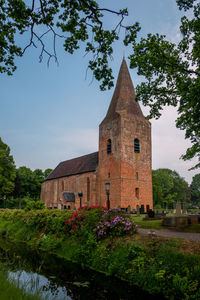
point(125, 150)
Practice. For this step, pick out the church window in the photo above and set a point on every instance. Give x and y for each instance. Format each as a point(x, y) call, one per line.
point(137, 193)
point(63, 185)
point(136, 146)
point(109, 146)
point(88, 189)
point(136, 176)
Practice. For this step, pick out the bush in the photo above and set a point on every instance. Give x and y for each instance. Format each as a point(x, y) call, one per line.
point(34, 205)
point(115, 222)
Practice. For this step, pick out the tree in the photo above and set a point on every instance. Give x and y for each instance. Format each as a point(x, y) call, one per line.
point(172, 74)
point(28, 182)
point(47, 172)
point(24, 183)
point(168, 187)
point(195, 189)
point(172, 71)
point(7, 171)
point(74, 21)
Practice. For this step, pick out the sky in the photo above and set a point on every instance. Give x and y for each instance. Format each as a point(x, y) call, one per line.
point(51, 114)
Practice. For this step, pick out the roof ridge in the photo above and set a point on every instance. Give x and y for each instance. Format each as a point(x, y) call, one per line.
point(79, 157)
point(82, 164)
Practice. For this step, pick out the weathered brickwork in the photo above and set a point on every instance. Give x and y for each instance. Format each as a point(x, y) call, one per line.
point(126, 166)
point(52, 190)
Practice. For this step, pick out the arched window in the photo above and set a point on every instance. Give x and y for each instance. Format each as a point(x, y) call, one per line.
point(136, 146)
point(109, 146)
point(137, 193)
point(88, 189)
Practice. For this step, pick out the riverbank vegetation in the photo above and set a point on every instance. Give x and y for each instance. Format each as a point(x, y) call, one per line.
point(107, 241)
point(10, 289)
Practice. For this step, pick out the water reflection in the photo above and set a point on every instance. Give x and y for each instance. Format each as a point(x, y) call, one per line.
point(58, 279)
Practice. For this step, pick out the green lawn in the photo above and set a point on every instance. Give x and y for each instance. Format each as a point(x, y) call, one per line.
point(157, 224)
point(154, 224)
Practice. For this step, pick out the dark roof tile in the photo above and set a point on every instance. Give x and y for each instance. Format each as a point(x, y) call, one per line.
point(83, 164)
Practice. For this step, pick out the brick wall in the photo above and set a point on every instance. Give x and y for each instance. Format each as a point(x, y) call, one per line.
point(51, 193)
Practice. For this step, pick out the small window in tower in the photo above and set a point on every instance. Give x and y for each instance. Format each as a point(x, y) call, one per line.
point(136, 146)
point(137, 193)
point(109, 175)
point(109, 146)
point(136, 176)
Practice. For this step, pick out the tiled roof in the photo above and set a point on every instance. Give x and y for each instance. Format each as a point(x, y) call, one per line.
point(124, 96)
point(83, 164)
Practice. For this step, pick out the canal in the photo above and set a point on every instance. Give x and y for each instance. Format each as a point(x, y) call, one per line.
point(58, 279)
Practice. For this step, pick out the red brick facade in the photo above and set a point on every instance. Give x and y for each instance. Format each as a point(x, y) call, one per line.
point(124, 159)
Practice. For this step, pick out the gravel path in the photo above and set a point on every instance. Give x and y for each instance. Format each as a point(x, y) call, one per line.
point(168, 233)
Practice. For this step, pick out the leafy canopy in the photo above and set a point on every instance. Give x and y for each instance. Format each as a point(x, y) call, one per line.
point(7, 171)
point(172, 71)
point(195, 189)
point(168, 187)
point(74, 21)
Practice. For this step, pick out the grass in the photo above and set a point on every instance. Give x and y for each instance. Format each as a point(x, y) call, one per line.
point(154, 224)
point(157, 224)
point(10, 290)
point(154, 264)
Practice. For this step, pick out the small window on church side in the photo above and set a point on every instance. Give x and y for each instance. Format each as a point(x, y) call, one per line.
point(137, 193)
point(109, 146)
point(136, 146)
point(136, 176)
point(88, 189)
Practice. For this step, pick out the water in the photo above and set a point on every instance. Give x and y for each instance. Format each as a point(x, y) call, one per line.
point(58, 279)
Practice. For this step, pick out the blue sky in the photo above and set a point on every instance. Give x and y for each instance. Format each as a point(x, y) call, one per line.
point(48, 115)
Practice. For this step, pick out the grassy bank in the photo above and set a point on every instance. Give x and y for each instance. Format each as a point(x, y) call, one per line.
point(157, 265)
point(10, 289)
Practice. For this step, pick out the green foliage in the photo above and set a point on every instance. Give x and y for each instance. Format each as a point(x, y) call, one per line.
point(172, 73)
point(10, 289)
point(155, 267)
point(28, 182)
point(76, 22)
point(7, 172)
point(168, 187)
point(195, 189)
point(114, 222)
point(34, 205)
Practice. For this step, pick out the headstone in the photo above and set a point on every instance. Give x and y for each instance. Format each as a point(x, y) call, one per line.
point(178, 208)
point(138, 210)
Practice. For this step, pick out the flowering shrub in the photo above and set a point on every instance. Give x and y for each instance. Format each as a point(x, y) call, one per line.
point(85, 217)
point(114, 222)
point(73, 224)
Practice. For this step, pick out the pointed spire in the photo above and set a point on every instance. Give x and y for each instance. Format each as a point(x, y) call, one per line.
point(123, 99)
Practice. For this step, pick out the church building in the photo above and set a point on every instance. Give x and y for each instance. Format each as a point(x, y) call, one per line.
point(120, 173)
